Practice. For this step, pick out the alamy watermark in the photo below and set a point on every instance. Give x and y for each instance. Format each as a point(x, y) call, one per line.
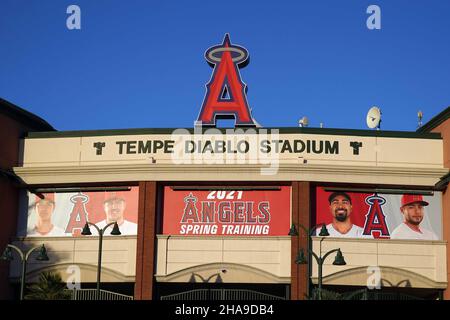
point(234, 146)
point(73, 21)
point(74, 279)
point(374, 20)
point(374, 279)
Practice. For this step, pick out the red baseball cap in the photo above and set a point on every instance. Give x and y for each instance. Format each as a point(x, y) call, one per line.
point(46, 196)
point(412, 198)
point(111, 196)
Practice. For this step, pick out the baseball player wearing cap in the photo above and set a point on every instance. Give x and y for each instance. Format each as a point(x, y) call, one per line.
point(44, 227)
point(114, 208)
point(342, 226)
point(413, 213)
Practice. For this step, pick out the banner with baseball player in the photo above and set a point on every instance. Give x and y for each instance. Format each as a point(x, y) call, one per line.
point(239, 212)
point(372, 215)
point(65, 214)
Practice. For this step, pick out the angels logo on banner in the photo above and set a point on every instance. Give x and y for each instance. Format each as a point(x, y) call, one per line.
point(375, 219)
point(227, 212)
point(372, 215)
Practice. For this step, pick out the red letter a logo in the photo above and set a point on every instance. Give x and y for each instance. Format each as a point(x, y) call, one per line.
point(375, 219)
point(78, 216)
point(190, 210)
point(225, 96)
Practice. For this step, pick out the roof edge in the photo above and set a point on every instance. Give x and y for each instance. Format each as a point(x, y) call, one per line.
point(435, 121)
point(443, 183)
point(25, 117)
point(283, 130)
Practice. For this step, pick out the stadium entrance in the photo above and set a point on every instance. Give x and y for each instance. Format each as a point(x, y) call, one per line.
point(221, 291)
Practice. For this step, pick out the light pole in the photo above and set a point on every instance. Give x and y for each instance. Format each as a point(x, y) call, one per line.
point(338, 261)
point(87, 232)
point(323, 230)
point(8, 256)
point(301, 259)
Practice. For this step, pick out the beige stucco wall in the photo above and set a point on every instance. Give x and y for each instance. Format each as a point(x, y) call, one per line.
point(245, 259)
point(375, 151)
point(118, 259)
point(267, 260)
point(284, 172)
point(381, 160)
point(420, 263)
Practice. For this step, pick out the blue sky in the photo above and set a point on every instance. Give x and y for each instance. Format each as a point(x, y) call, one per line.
point(140, 64)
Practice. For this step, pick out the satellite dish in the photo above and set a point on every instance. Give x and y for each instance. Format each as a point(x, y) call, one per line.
point(303, 122)
point(373, 118)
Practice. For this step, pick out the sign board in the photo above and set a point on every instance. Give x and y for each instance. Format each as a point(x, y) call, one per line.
point(226, 93)
point(370, 215)
point(239, 212)
point(262, 147)
point(65, 214)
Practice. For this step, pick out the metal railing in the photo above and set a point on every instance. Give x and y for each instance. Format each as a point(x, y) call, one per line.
point(366, 294)
point(221, 294)
point(91, 294)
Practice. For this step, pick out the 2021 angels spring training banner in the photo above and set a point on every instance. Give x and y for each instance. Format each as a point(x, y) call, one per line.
point(65, 214)
point(370, 215)
point(227, 212)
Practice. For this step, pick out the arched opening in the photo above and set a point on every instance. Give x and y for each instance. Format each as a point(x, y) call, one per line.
point(84, 276)
point(382, 283)
point(222, 281)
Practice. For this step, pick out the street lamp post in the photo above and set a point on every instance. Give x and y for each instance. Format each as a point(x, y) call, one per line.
point(218, 279)
point(7, 255)
point(338, 261)
point(323, 230)
point(87, 232)
point(206, 280)
point(309, 232)
point(301, 259)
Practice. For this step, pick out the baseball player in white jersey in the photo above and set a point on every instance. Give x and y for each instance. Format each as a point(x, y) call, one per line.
point(342, 226)
point(44, 227)
point(114, 208)
point(413, 213)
